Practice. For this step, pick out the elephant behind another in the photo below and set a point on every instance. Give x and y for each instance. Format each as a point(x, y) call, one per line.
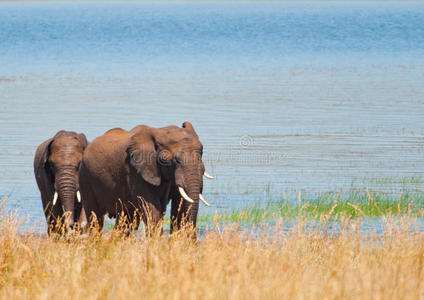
point(56, 167)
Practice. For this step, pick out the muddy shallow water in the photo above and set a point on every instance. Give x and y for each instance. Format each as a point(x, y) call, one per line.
point(284, 96)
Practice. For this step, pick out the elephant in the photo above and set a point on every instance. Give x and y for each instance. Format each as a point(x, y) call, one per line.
point(56, 167)
point(132, 176)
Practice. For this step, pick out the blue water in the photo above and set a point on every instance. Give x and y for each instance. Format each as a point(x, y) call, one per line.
point(285, 96)
point(75, 38)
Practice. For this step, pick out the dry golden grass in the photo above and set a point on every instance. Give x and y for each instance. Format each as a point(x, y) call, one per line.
point(226, 263)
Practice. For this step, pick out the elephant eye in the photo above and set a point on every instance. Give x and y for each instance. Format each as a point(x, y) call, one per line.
point(51, 166)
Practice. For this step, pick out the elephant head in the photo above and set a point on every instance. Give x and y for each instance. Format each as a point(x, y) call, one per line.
point(57, 164)
point(171, 154)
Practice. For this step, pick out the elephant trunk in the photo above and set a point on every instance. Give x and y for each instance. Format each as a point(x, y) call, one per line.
point(66, 184)
point(193, 191)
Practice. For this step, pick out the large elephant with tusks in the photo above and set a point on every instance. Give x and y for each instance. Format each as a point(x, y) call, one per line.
point(132, 175)
point(56, 166)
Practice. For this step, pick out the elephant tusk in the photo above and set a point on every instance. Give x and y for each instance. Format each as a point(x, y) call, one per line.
point(79, 196)
point(207, 176)
point(203, 200)
point(185, 196)
point(55, 198)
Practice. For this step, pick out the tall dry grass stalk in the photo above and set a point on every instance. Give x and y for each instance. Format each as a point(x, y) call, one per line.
point(226, 263)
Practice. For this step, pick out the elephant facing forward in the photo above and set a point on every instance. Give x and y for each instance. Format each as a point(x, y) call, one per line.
point(132, 175)
point(56, 166)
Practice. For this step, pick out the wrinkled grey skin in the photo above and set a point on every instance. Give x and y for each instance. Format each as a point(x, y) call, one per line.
point(56, 166)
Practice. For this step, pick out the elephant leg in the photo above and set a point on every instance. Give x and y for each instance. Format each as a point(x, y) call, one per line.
point(53, 224)
point(93, 213)
point(52, 214)
point(50, 219)
point(177, 214)
point(152, 216)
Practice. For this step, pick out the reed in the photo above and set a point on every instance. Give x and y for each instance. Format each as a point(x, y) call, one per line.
point(227, 262)
point(353, 204)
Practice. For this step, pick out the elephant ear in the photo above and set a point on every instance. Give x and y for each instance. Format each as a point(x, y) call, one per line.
point(144, 156)
point(83, 140)
point(188, 126)
point(41, 157)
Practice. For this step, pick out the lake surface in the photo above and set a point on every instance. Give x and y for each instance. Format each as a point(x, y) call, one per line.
point(284, 96)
